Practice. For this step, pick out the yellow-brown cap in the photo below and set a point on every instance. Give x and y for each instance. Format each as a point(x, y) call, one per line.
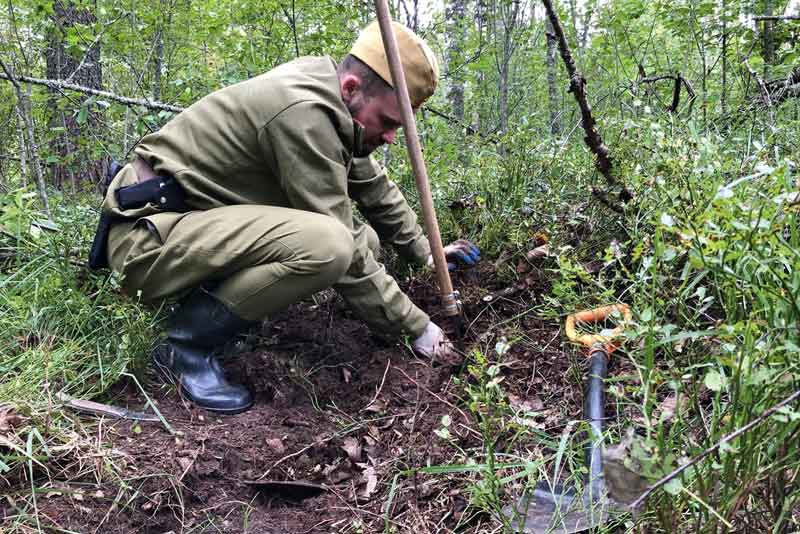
point(419, 62)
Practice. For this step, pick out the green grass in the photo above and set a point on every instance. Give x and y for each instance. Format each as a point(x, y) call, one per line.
point(62, 330)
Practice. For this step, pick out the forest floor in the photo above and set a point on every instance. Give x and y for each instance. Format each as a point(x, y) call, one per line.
point(347, 415)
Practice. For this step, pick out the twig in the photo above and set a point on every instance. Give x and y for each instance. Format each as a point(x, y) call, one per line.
point(602, 196)
point(440, 399)
point(64, 86)
point(91, 47)
point(8, 76)
point(416, 411)
point(777, 17)
point(380, 388)
point(763, 88)
point(733, 435)
point(468, 128)
point(761, 85)
point(678, 80)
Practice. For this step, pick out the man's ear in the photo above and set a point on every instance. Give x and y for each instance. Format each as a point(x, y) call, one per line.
point(350, 86)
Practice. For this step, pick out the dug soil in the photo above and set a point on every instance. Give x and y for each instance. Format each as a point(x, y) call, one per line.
point(343, 420)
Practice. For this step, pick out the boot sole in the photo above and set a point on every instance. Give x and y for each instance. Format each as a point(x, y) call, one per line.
point(170, 378)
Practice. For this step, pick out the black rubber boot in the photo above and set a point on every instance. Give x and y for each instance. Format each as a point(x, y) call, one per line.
point(200, 325)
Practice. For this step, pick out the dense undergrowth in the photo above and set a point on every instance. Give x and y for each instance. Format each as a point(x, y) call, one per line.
point(706, 254)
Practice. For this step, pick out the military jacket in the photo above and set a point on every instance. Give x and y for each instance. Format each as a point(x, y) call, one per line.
point(285, 138)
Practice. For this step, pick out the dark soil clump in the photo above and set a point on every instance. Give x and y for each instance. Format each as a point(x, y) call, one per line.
point(339, 411)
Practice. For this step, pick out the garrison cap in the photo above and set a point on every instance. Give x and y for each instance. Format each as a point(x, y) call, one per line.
point(419, 62)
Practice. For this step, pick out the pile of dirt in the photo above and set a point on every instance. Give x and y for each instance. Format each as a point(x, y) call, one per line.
point(341, 416)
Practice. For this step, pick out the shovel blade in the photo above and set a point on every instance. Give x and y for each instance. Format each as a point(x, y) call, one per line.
point(547, 510)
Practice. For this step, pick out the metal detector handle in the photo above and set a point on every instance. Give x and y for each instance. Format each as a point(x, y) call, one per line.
point(594, 316)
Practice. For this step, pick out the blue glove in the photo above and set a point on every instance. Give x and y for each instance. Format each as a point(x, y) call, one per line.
point(461, 253)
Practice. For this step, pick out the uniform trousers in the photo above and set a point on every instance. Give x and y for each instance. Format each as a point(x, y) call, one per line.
point(258, 259)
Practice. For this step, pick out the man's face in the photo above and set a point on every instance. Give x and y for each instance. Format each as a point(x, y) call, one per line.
point(379, 116)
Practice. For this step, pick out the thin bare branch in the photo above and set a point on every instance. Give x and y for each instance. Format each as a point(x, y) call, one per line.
point(777, 17)
point(64, 86)
point(733, 435)
point(8, 76)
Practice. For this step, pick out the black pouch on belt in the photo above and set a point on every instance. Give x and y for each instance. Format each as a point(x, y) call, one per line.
point(164, 193)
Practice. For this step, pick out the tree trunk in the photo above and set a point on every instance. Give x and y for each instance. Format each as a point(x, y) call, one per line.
point(508, 19)
point(26, 123)
point(158, 63)
point(552, 88)
point(412, 13)
point(23, 146)
point(573, 15)
point(34, 152)
point(86, 71)
point(724, 96)
point(587, 24)
point(769, 40)
point(481, 25)
point(455, 35)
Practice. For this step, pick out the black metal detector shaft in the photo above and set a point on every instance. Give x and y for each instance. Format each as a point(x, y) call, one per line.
point(551, 508)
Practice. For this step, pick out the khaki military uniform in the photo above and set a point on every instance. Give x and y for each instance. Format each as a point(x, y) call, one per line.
point(268, 171)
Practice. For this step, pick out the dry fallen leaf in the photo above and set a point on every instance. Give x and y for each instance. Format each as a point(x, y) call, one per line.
point(594, 267)
point(667, 407)
point(616, 250)
point(530, 404)
point(427, 488)
point(9, 418)
point(624, 484)
point(371, 483)
point(346, 374)
point(353, 449)
point(377, 406)
point(186, 464)
point(541, 251)
point(339, 475)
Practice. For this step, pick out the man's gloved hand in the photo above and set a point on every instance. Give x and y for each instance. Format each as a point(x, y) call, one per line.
point(461, 252)
point(433, 343)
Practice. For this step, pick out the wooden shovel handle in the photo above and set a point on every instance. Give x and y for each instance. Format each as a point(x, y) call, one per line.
point(594, 316)
point(449, 300)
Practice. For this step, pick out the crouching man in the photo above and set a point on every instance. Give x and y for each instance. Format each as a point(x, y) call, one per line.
point(241, 205)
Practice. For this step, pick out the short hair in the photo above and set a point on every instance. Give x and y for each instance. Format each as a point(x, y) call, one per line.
point(371, 82)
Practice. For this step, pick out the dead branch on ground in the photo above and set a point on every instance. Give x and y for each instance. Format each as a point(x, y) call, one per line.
point(577, 86)
point(766, 99)
point(781, 89)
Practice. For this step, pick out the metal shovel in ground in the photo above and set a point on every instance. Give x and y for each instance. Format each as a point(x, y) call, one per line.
point(554, 509)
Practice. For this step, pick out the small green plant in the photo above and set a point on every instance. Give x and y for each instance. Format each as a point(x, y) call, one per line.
point(487, 402)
